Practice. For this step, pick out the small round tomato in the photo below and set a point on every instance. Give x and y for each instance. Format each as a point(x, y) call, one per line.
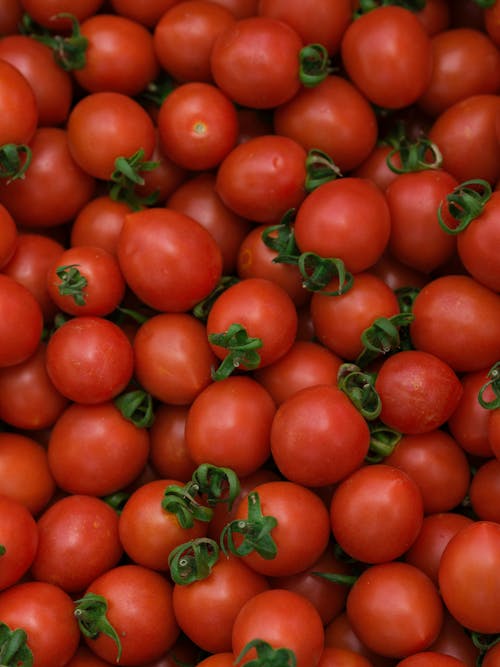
point(431, 659)
point(8, 236)
point(99, 222)
point(169, 454)
point(484, 491)
point(18, 103)
point(21, 329)
point(339, 633)
point(18, 540)
point(44, 11)
point(452, 640)
point(10, 16)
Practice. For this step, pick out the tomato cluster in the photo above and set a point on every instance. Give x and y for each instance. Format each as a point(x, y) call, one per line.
point(250, 343)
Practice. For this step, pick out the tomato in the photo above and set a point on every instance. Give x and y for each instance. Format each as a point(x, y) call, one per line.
point(447, 311)
point(491, 24)
point(198, 125)
point(397, 275)
point(78, 541)
point(198, 198)
point(84, 657)
point(89, 359)
point(454, 75)
point(333, 117)
point(168, 453)
point(494, 432)
point(416, 239)
point(18, 540)
point(43, 12)
point(368, 47)
point(104, 126)
point(302, 531)
point(266, 312)
point(184, 36)
point(340, 320)
point(490, 658)
point(10, 15)
point(98, 223)
point(452, 640)
point(485, 490)
point(282, 619)
point(54, 187)
point(224, 591)
point(141, 611)
point(318, 437)
point(395, 609)
point(241, 9)
point(439, 466)
point(21, 331)
point(376, 513)
point(183, 260)
point(160, 182)
point(431, 659)
point(148, 13)
point(262, 178)
point(45, 612)
point(435, 16)
point(418, 390)
point(228, 425)
point(225, 659)
point(340, 634)
point(471, 155)
point(326, 22)
point(306, 364)
point(18, 105)
point(333, 657)
point(467, 578)
point(8, 236)
point(359, 230)
point(94, 450)
point(255, 62)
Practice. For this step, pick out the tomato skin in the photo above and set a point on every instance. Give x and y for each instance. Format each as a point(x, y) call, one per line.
point(225, 659)
point(283, 619)
point(94, 450)
point(19, 539)
point(84, 657)
point(18, 342)
point(333, 117)
point(452, 640)
point(229, 585)
point(183, 259)
point(19, 116)
point(368, 47)
point(78, 541)
point(441, 328)
point(341, 656)
point(318, 437)
point(44, 12)
point(228, 424)
point(98, 223)
point(484, 491)
point(168, 452)
point(10, 16)
point(340, 634)
point(45, 612)
point(140, 609)
point(419, 391)
point(376, 513)
point(491, 656)
point(494, 432)
point(395, 609)
point(431, 659)
point(467, 578)
point(358, 232)
point(8, 236)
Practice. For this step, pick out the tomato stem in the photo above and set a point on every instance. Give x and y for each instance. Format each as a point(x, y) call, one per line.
point(318, 272)
point(383, 441)
point(256, 531)
point(465, 204)
point(126, 176)
point(180, 500)
point(213, 481)
point(3, 550)
point(314, 65)
point(281, 239)
point(13, 647)
point(419, 155)
point(72, 283)
point(12, 166)
point(117, 500)
point(267, 656)
point(202, 308)
point(320, 169)
point(193, 561)
point(137, 407)
point(382, 337)
point(359, 386)
point(69, 51)
point(157, 91)
point(337, 578)
point(90, 612)
point(242, 350)
point(494, 383)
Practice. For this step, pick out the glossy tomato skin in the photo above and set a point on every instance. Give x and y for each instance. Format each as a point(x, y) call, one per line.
point(168, 452)
point(19, 540)
point(431, 659)
point(8, 235)
point(453, 641)
point(441, 328)
point(419, 392)
point(98, 223)
point(283, 619)
point(20, 340)
point(358, 230)
point(339, 633)
point(183, 259)
point(44, 12)
point(318, 437)
point(376, 513)
point(368, 48)
point(45, 612)
point(472, 596)
point(484, 491)
point(19, 107)
point(395, 609)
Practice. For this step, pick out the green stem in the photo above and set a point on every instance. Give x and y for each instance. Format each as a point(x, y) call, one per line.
point(337, 578)
point(242, 350)
point(117, 500)
point(126, 176)
point(415, 156)
point(317, 272)
point(255, 529)
point(137, 407)
point(382, 337)
point(383, 441)
point(219, 485)
point(494, 383)
point(90, 612)
point(465, 204)
point(14, 650)
point(366, 6)
point(72, 283)
point(267, 656)
point(202, 309)
point(14, 161)
point(359, 386)
point(314, 65)
point(280, 238)
point(193, 561)
point(69, 51)
point(320, 169)
point(181, 501)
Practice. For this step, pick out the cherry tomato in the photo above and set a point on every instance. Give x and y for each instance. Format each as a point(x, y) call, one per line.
point(339, 633)
point(331, 657)
point(18, 104)
point(99, 223)
point(431, 659)
point(484, 491)
point(452, 640)
point(169, 454)
point(44, 12)
point(21, 330)
point(10, 15)
point(18, 540)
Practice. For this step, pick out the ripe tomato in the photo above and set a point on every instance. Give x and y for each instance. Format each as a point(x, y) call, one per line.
point(282, 619)
point(368, 47)
point(447, 311)
point(467, 579)
point(98, 223)
point(44, 12)
point(491, 656)
point(18, 104)
point(8, 236)
point(318, 437)
point(452, 640)
point(84, 657)
point(18, 540)
point(77, 541)
point(184, 262)
point(419, 391)
point(357, 232)
point(45, 612)
point(340, 634)
point(21, 331)
point(255, 62)
point(431, 659)
point(341, 656)
point(484, 491)
point(94, 450)
point(395, 609)
point(10, 16)
point(168, 452)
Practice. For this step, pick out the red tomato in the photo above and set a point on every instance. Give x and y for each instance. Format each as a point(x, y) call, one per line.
point(430, 659)
point(89, 359)
point(395, 609)
point(99, 223)
point(8, 236)
point(78, 541)
point(10, 16)
point(275, 168)
point(467, 576)
point(397, 275)
point(452, 640)
point(484, 491)
point(255, 62)
point(341, 657)
point(490, 658)
point(435, 16)
point(376, 513)
point(282, 619)
point(21, 330)
point(141, 611)
point(419, 391)
point(225, 659)
point(169, 454)
point(45, 612)
point(183, 260)
point(241, 9)
point(18, 540)
point(333, 117)
point(148, 13)
point(228, 425)
point(368, 49)
point(494, 432)
point(94, 450)
point(358, 232)
point(44, 11)
point(447, 311)
point(318, 437)
point(84, 657)
point(340, 634)
point(18, 104)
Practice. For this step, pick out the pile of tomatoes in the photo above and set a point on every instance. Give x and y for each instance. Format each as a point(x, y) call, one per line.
point(250, 333)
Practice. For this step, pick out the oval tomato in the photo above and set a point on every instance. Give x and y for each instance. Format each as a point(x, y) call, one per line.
point(21, 330)
point(484, 491)
point(19, 539)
